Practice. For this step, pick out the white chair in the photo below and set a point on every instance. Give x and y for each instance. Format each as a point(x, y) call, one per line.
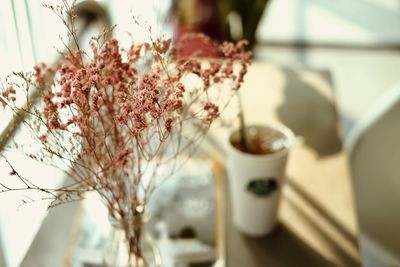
point(374, 153)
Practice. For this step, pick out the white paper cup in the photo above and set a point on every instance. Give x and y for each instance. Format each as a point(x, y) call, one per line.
point(255, 183)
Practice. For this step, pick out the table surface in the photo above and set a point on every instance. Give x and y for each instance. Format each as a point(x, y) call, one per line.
point(317, 216)
point(317, 219)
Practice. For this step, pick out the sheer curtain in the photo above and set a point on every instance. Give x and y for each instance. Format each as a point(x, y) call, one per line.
point(29, 33)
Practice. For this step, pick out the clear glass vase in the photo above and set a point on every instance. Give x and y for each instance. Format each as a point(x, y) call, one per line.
point(130, 245)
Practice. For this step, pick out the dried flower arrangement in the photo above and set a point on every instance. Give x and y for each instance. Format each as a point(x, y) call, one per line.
point(110, 117)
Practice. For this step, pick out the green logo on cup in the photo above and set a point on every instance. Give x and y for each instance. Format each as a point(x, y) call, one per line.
point(262, 187)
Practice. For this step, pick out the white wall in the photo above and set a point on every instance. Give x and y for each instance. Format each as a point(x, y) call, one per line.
point(333, 21)
point(359, 76)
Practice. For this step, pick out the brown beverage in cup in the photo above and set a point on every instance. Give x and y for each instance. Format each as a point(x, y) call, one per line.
point(260, 140)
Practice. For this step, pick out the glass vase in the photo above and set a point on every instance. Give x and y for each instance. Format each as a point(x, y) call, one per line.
point(130, 245)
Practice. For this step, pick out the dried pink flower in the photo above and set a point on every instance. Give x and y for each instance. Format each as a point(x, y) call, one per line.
point(110, 116)
point(212, 109)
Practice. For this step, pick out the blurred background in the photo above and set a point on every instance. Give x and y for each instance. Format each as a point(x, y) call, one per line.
point(357, 42)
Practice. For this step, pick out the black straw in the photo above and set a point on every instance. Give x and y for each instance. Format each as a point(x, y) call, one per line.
point(242, 126)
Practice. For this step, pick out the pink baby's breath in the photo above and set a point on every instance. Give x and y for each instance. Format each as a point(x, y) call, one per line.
point(113, 115)
point(212, 110)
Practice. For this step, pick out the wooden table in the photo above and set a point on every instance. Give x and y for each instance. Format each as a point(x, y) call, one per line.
point(317, 218)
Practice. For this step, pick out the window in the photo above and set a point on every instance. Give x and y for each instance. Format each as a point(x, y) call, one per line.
point(32, 35)
point(24, 41)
